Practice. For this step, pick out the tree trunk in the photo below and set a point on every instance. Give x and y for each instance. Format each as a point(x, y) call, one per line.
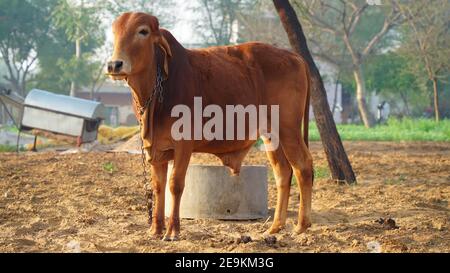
point(336, 90)
point(366, 116)
point(2, 115)
point(338, 162)
point(72, 89)
point(437, 114)
point(73, 85)
point(405, 101)
point(16, 86)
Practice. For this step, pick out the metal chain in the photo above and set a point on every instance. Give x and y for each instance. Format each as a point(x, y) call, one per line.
point(158, 89)
point(146, 182)
point(158, 86)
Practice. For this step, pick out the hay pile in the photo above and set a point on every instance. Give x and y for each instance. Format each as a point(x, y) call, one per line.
point(109, 135)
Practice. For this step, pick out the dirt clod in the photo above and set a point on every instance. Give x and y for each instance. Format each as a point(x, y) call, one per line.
point(244, 240)
point(388, 224)
point(270, 240)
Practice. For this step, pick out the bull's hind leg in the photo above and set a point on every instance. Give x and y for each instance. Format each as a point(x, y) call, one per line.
point(283, 175)
point(298, 155)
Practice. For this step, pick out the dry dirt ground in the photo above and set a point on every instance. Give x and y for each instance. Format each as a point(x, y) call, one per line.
point(51, 202)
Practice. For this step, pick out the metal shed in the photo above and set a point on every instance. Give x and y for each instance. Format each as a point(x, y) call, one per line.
point(62, 115)
point(14, 100)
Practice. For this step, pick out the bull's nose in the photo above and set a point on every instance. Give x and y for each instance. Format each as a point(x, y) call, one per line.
point(115, 66)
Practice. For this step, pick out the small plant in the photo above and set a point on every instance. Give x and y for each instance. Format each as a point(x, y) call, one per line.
point(109, 167)
point(321, 172)
point(394, 181)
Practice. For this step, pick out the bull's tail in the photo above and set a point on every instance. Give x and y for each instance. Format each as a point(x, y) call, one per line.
point(307, 105)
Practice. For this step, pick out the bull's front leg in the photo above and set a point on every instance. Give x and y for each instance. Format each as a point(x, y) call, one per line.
point(159, 179)
point(182, 156)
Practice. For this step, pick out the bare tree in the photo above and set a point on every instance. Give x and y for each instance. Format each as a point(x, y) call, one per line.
point(18, 68)
point(428, 40)
point(163, 9)
point(340, 20)
point(221, 20)
point(261, 23)
point(338, 162)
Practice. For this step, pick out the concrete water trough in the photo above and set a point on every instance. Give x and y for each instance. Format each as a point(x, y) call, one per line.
point(212, 193)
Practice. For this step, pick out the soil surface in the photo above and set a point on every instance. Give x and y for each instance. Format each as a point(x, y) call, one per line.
point(93, 202)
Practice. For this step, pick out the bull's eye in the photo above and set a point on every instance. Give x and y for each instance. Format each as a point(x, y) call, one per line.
point(144, 32)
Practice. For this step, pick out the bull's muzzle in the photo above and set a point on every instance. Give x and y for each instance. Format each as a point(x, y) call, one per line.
point(115, 67)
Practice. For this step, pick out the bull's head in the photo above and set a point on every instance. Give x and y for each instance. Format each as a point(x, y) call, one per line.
point(136, 35)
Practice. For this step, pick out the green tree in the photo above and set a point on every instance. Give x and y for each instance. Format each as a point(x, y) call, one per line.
point(81, 25)
point(23, 27)
point(53, 57)
point(219, 24)
point(37, 46)
point(390, 75)
point(427, 39)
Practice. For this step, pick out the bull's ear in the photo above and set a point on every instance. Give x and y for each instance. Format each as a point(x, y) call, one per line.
point(164, 45)
point(154, 24)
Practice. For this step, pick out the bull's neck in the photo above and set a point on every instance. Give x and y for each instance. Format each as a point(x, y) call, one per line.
point(142, 84)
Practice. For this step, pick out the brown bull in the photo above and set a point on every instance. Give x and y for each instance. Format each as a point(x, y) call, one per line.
point(248, 74)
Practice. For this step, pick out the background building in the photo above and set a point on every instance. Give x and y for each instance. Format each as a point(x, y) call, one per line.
point(117, 100)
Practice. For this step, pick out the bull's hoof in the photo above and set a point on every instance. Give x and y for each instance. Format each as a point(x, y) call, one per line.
point(299, 229)
point(156, 233)
point(274, 229)
point(156, 236)
point(168, 238)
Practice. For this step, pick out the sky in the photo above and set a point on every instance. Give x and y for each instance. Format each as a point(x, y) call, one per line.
point(183, 30)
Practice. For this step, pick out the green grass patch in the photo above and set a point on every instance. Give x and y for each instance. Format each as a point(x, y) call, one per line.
point(321, 172)
point(7, 148)
point(10, 128)
point(397, 180)
point(394, 130)
point(109, 167)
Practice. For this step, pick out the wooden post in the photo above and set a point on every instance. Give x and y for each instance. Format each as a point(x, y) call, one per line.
point(34, 149)
point(340, 167)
